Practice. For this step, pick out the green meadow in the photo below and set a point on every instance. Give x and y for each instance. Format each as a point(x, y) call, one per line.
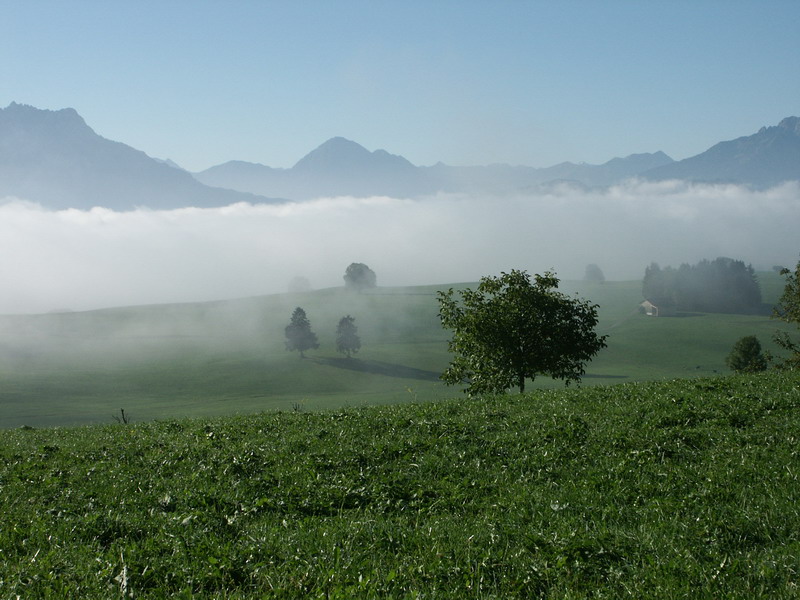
point(228, 358)
point(680, 489)
point(247, 472)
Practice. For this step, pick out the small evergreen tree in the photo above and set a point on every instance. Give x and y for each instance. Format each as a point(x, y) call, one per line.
point(746, 356)
point(347, 340)
point(299, 335)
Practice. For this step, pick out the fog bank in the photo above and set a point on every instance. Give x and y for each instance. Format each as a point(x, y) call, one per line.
point(79, 260)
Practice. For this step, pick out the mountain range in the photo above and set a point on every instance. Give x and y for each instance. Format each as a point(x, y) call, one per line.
point(54, 158)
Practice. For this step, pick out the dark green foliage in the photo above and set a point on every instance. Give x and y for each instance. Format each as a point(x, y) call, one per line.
point(298, 333)
point(594, 274)
point(359, 276)
point(723, 285)
point(347, 340)
point(509, 330)
point(685, 489)
point(746, 356)
point(788, 309)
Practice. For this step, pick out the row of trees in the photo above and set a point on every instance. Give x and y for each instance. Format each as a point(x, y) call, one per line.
point(723, 285)
point(300, 337)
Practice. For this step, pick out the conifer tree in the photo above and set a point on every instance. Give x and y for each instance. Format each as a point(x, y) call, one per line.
point(347, 340)
point(299, 335)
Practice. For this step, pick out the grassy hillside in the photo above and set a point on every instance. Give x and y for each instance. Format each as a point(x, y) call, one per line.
point(683, 489)
point(163, 362)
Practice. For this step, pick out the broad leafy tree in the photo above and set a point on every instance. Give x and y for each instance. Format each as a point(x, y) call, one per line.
point(359, 276)
point(788, 309)
point(511, 329)
point(746, 356)
point(347, 340)
point(594, 274)
point(299, 335)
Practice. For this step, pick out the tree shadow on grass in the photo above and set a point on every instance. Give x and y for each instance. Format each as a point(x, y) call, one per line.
point(375, 367)
point(601, 376)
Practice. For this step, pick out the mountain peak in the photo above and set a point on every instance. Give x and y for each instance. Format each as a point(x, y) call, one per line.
point(24, 118)
point(339, 143)
point(335, 151)
point(792, 124)
point(340, 154)
point(25, 112)
point(56, 159)
point(768, 157)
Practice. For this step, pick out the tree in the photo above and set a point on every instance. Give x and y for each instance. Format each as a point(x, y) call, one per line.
point(746, 356)
point(359, 276)
point(788, 309)
point(511, 329)
point(723, 285)
point(594, 274)
point(347, 340)
point(298, 333)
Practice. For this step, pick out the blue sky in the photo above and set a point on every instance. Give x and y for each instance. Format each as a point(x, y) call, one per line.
point(464, 82)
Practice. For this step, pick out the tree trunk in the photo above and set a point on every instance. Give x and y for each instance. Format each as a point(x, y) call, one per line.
point(521, 383)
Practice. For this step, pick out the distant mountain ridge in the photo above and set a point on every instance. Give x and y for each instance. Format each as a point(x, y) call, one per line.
point(766, 158)
point(56, 159)
point(343, 167)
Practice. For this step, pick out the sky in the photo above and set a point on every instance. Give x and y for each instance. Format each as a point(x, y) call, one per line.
point(463, 82)
point(530, 83)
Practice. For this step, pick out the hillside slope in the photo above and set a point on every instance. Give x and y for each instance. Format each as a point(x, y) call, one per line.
point(224, 358)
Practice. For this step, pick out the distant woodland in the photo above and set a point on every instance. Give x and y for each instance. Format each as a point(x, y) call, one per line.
point(723, 285)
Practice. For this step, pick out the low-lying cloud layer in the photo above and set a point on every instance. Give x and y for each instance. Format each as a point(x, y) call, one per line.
point(53, 260)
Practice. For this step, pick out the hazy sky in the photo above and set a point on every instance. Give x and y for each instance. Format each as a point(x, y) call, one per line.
point(464, 82)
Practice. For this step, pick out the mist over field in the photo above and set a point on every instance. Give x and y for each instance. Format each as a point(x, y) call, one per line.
point(79, 260)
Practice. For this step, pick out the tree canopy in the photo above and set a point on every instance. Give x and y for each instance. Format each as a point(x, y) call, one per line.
point(788, 309)
point(723, 285)
point(510, 329)
point(298, 333)
point(594, 274)
point(359, 276)
point(347, 340)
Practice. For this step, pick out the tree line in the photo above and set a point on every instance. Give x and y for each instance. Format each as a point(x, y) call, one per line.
point(723, 285)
